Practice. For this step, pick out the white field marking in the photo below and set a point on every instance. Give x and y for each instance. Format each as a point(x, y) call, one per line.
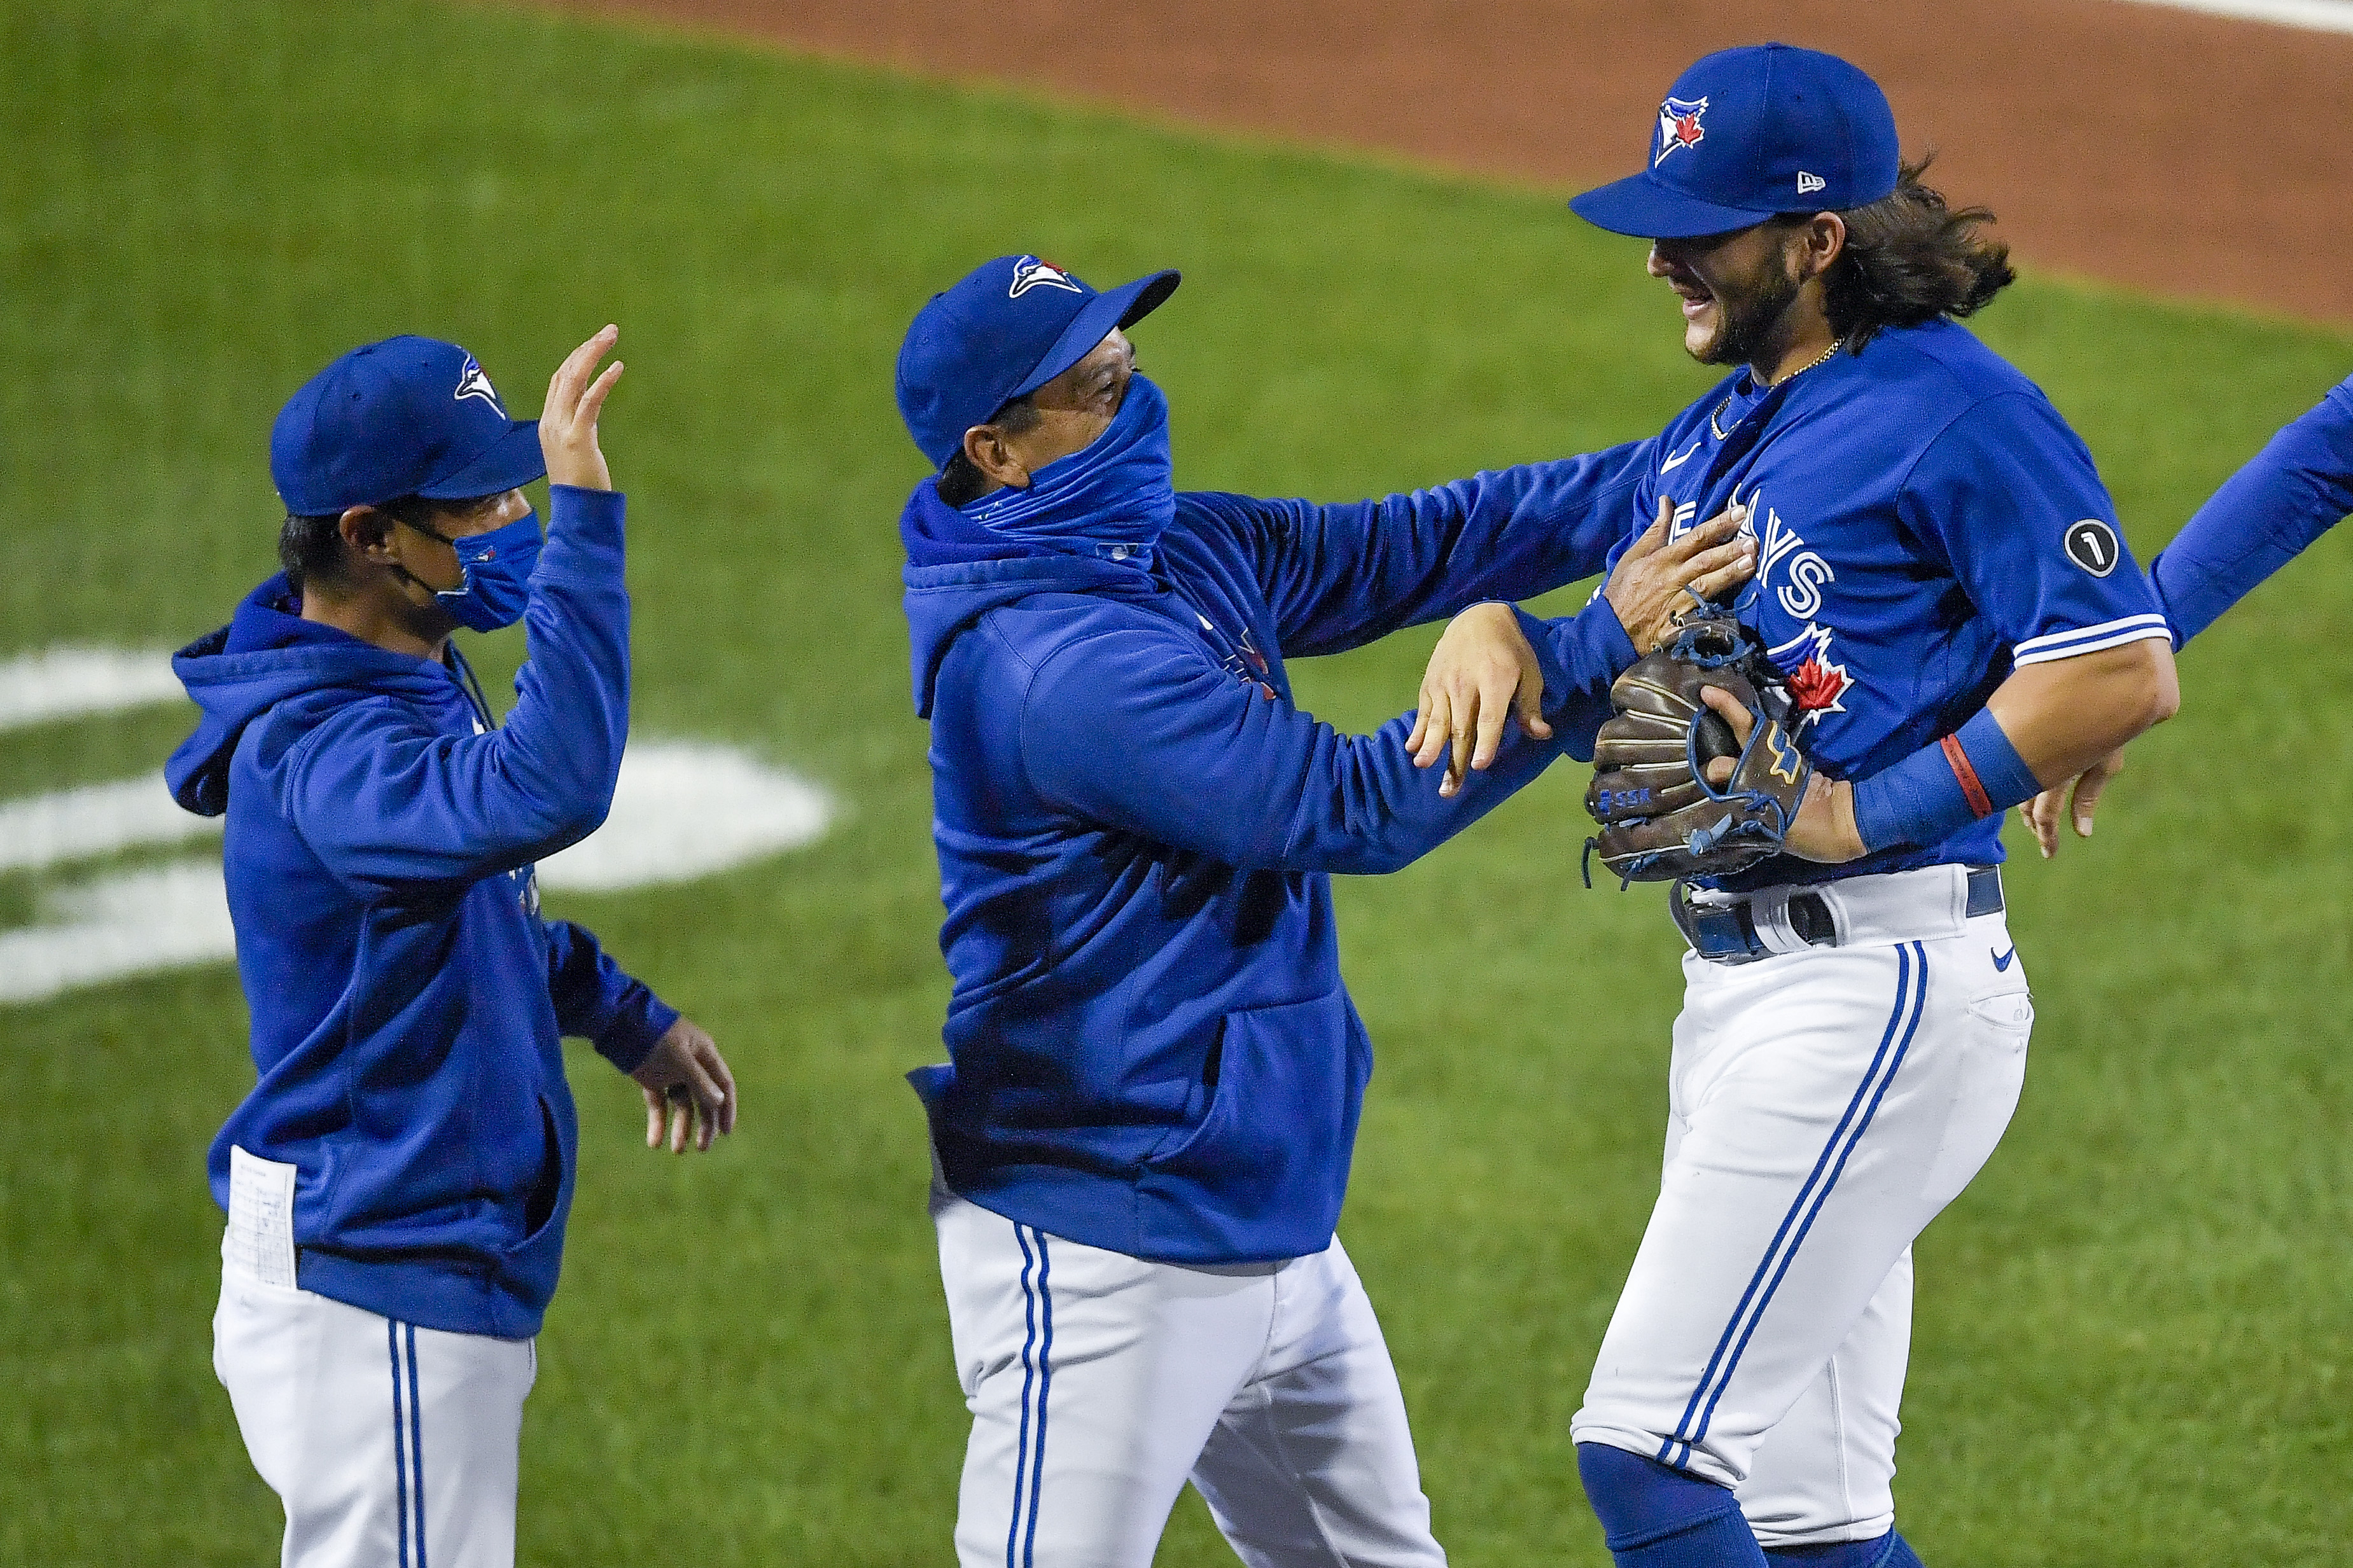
point(61, 682)
point(2315, 16)
point(95, 819)
point(165, 916)
point(681, 811)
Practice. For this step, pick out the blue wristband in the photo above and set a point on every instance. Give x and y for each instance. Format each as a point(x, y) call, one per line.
point(1938, 790)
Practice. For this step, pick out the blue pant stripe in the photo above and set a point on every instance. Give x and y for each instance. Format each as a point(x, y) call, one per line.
point(399, 1439)
point(1029, 1375)
point(1045, 1388)
point(1721, 1362)
point(416, 1444)
point(1895, 1065)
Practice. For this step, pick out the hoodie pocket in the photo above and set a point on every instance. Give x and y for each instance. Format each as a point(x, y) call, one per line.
point(1283, 1109)
point(544, 1202)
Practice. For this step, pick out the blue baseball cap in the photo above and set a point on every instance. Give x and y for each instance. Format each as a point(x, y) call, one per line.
point(1747, 134)
point(1009, 327)
point(407, 417)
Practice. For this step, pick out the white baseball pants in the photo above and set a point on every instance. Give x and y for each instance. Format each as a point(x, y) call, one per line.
point(1099, 1383)
point(1824, 1105)
point(390, 1446)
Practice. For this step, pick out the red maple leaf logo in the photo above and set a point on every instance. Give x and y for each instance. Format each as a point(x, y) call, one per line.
point(1686, 129)
point(1816, 686)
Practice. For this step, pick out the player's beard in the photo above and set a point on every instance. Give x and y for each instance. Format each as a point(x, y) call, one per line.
point(1750, 317)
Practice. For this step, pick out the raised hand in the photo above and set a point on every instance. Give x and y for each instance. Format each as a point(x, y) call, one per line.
point(567, 425)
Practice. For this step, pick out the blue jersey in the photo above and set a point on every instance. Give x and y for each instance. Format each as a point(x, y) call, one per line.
point(1924, 522)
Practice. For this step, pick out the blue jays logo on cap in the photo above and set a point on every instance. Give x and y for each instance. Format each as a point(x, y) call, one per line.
point(971, 350)
point(1678, 126)
point(1028, 273)
point(406, 417)
point(1786, 131)
point(472, 382)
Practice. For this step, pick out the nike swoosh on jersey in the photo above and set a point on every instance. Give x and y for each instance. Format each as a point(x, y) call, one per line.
point(1680, 458)
point(2001, 960)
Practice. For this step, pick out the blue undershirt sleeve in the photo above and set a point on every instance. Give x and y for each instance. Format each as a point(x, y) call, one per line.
point(2296, 489)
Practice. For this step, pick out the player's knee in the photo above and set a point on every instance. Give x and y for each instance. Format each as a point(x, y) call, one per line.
point(1655, 1514)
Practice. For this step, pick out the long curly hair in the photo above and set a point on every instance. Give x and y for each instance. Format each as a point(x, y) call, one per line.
point(1910, 258)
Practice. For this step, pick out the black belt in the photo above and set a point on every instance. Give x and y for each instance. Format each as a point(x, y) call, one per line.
point(1726, 932)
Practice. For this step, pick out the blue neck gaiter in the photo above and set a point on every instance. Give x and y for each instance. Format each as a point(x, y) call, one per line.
point(1111, 499)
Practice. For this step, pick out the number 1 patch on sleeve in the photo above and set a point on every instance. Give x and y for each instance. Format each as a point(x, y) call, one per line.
point(2092, 544)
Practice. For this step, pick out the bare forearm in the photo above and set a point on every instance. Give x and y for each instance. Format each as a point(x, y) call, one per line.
point(2065, 715)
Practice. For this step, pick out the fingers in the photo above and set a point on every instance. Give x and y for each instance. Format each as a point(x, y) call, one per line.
point(726, 1082)
point(1653, 536)
point(2041, 817)
point(1435, 724)
point(1718, 530)
point(564, 386)
point(1529, 705)
point(1724, 567)
point(1461, 739)
point(1732, 711)
point(655, 1104)
point(592, 403)
point(2089, 787)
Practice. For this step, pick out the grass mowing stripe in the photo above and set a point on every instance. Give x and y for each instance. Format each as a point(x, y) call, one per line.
point(2131, 1346)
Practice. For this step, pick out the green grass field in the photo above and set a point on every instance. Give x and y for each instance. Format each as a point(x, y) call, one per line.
point(2134, 1345)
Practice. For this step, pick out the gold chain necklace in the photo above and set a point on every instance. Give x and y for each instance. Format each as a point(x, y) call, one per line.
point(1828, 354)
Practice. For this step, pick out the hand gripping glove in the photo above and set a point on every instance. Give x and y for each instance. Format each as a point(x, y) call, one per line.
point(1661, 819)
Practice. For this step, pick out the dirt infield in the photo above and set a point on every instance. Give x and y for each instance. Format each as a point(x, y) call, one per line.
point(2180, 154)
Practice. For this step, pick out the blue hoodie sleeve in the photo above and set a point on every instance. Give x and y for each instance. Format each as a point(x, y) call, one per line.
point(385, 799)
point(1341, 577)
point(2298, 488)
point(1141, 732)
point(596, 1001)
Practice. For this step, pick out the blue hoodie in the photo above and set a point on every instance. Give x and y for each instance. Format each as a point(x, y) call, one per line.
point(406, 996)
point(1151, 1049)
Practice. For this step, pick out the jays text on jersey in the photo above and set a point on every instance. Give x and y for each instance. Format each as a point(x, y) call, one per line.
point(406, 996)
point(1152, 1051)
point(1925, 521)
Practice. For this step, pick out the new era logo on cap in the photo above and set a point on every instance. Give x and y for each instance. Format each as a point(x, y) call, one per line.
point(1808, 184)
point(472, 382)
point(1678, 126)
point(1032, 273)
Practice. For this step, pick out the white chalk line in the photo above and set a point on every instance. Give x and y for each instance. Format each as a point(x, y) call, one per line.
point(681, 809)
point(67, 682)
point(2314, 15)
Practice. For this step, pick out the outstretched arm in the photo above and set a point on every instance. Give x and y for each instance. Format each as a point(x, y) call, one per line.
point(1496, 661)
point(2296, 490)
point(1142, 731)
point(1341, 577)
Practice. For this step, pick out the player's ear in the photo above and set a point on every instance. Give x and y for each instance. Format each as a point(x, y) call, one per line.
point(985, 448)
point(367, 533)
point(1820, 241)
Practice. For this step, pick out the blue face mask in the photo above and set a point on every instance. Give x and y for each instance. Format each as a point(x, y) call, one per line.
point(1113, 498)
point(497, 582)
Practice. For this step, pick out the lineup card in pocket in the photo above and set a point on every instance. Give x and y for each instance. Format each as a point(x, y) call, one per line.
point(261, 1237)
